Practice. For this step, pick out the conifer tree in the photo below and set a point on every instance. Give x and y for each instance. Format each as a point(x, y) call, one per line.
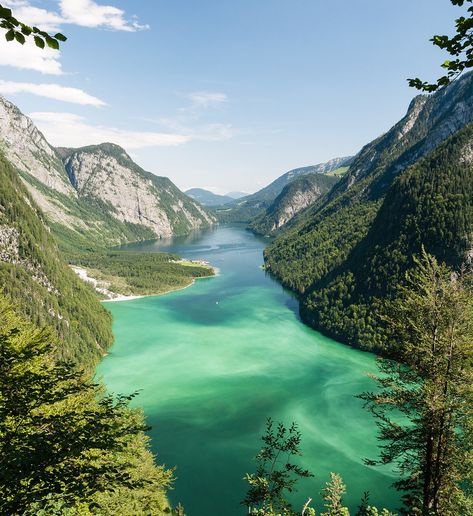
point(424, 405)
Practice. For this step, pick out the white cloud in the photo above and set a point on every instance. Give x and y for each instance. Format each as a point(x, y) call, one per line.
point(207, 98)
point(30, 57)
point(90, 14)
point(45, 20)
point(204, 132)
point(214, 132)
point(71, 130)
point(52, 91)
point(85, 13)
point(189, 120)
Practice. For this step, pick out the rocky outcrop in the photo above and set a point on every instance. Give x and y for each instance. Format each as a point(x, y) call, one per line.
point(97, 193)
point(295, 197)
point(299, 200)
point(137, 197)
point(253, 207)
point(27, 149)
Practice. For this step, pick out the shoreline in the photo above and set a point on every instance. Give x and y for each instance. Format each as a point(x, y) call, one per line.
point(113, 297)
point(121, 297)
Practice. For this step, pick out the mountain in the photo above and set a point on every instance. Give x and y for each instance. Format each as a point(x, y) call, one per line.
point(251, 206)
point(429, 206)
point(310, 254)
point(208, 198)
point(295, 196)
point(236, 195)
point(95, 196)
point(35, 278)
point(271, 191)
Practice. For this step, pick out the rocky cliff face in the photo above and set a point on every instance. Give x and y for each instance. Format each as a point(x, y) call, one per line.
point(295, 197)
point(95, 195)
point(106, 172)
point(429, 121)
point(27, 149)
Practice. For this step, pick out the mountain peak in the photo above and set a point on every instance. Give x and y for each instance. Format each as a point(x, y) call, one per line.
point(106, 147)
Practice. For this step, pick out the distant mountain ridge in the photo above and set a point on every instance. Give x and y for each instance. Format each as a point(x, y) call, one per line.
point(271, 191)
point(247, 208)
point(208, 198)
point(95, 195)
point(236, 195)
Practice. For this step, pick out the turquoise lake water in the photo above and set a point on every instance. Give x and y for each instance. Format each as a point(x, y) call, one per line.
point(215, 360)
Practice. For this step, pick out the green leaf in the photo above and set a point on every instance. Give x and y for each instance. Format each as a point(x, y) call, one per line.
point(10, 35)
point(39, 41)
point(20, 38)
point(52, 43)
point(60, 37)
point(26, 30)
point(5, 13)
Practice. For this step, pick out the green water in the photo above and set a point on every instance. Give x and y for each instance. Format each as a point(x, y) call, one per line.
point(215, 360)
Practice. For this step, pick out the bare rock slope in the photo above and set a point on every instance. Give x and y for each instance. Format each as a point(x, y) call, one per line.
point(95, 195)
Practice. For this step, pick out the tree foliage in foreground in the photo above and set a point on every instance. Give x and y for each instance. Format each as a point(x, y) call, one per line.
point(424, 405)
point(276, 476)
point(459, 46)
point(19, 31)
point(65, 446)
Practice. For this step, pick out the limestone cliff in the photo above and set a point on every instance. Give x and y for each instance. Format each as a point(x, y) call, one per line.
point(95, 195)
point(296, 196)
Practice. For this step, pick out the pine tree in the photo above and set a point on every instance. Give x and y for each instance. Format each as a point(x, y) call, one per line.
point(424, 405)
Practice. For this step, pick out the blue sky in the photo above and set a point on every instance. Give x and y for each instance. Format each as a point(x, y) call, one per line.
point(224, 94)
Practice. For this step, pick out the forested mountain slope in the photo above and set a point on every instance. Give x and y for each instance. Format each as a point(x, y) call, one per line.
point(36, 279)
point(429, 206)
point(327, 232)
point(246, 208)
point(295, 196)
point(95, 196)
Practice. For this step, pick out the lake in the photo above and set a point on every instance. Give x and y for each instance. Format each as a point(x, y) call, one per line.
point(215, 360)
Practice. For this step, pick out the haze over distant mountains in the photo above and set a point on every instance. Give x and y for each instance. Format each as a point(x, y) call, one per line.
point(237, 195)
point(208, 198)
